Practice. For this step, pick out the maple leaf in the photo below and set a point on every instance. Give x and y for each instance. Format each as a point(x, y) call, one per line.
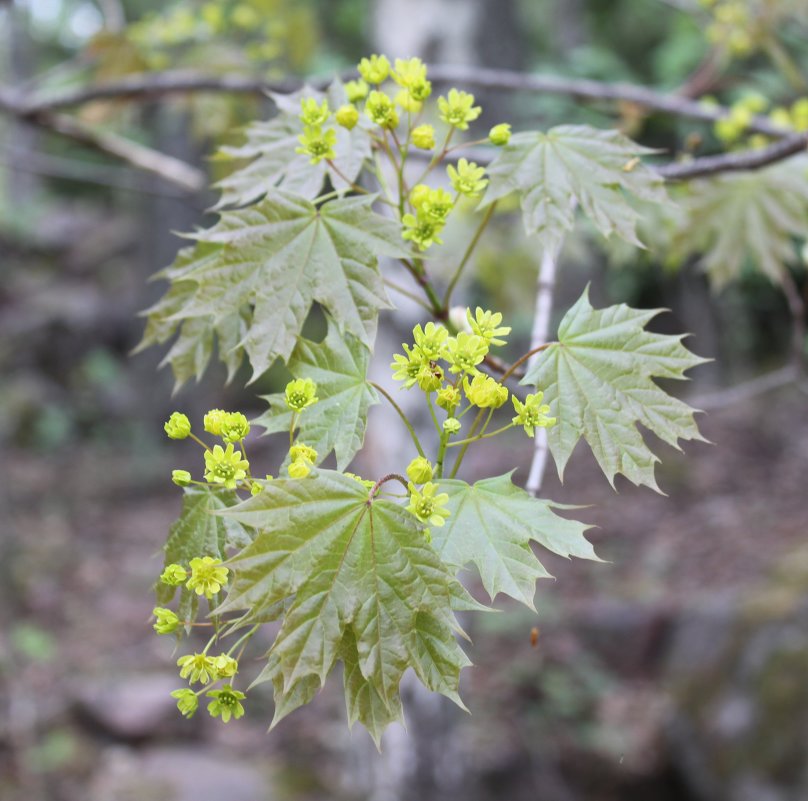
point(598, 380)
point(745, 218)
point(569, 166)
point(258, 272)
point(338, 365)
point(492, 524)
point(354, 571)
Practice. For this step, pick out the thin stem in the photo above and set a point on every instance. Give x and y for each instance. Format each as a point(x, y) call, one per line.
point(480, 436)
point(477, 420)
point(242, 639)
point(404, 418)
point(345, 178)
point(522, 359)
point(408, 294)
point(383, 480)
point(467, 255)
point(195, 438)
point(432, 413)
point(292, 424)
point(436, 159)
point(444, 442)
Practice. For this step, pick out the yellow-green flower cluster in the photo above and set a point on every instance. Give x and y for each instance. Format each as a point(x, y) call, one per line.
point(412, 88)
point(731, 26)
point(432, 208)
point(230, 426)
point(741, 114)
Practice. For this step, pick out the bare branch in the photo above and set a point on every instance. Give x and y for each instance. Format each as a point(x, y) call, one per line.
point(167, 167)
point(735, 162)
point(150, 85)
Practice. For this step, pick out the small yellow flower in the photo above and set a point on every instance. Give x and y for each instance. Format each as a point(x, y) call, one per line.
point(313, 115)
point(301, 393)
point(427, 506)
point(375, 69)
point(532, 413)
point(317, 144)
point(356, 90)
point(225, 466)
point(197, 668)
point(208, 576)
point(458, 110)
point(467, 179)
point(381, 110)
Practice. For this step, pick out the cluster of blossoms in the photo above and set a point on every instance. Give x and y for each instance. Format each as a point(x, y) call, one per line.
point(205, 575)
point(223, 466)
point(385, 92)
point(732, 26)
point(456, 387)
point(732, 128)
point(426, 503)
point(300, 394)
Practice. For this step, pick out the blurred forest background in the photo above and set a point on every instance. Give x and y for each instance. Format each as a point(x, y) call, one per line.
point(676, 672)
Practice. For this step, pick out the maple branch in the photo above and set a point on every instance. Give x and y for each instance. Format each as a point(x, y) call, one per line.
point(148, 86)
point(735, 162)
point(167, 167)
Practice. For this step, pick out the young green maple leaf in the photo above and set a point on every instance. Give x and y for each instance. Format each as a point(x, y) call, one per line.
point(598, 380)
point(569, 166)
point(350, 567)
point(751, 217)
point(263, 267)
point(190, 353)
point(200, 532)
point(272, 160)
point(338, 365)
point(492, 524)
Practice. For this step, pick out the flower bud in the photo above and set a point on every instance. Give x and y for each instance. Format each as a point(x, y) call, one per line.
point(182, 478)
point(178, 426)
point(451, 425)
point(213, 421)
point(500, 134)
point(419, 470)
point(166, 621)
point(298, 469)
point(173, 575)
point(423, 137)
point(347, 116)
